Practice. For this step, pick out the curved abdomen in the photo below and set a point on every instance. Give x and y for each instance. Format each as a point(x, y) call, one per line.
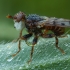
point(56, 30)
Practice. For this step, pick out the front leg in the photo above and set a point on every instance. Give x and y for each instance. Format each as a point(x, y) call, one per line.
point(25, 37)
point(20, 34)
point(19, 48)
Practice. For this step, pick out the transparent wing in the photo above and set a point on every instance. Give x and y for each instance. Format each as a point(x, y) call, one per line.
point(54, 22)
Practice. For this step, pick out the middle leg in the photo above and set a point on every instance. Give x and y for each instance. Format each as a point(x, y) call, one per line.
point(33, 44)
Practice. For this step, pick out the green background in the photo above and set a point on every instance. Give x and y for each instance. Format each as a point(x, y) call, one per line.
point(50, 8)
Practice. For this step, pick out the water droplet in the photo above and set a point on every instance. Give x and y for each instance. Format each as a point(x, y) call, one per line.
point(22, 49)
point(9, 52)
point(66, 44)
point(20, 68)
point(65, 68)
point(27, 66)
point(10, 59)
point(0, 50)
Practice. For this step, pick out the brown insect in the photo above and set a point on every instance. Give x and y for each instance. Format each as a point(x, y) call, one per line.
point(38, 26)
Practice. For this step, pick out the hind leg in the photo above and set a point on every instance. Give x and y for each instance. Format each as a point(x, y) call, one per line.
point(62, 36)
point(56, 41)
point(56, 44)
point(48, 35)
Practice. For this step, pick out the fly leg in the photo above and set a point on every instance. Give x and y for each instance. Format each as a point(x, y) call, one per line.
point(45, 35)
point(56, 41)
point(62, 36)
point(21, 38)
point(19, 48)
point(56, 44)
point(48, 35)
point(33, 44)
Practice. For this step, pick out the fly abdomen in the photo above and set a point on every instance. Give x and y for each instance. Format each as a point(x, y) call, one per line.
point(56, 30)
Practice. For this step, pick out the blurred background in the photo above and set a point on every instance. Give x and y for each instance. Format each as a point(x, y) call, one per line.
point(50, 8)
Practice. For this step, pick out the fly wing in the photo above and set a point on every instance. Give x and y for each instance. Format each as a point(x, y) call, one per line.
point(59, 22)
point(53, 22)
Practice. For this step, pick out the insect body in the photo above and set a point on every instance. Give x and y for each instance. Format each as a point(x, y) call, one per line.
point(39, 26)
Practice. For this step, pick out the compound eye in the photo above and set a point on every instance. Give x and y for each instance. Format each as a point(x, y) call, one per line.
point(15, 18)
